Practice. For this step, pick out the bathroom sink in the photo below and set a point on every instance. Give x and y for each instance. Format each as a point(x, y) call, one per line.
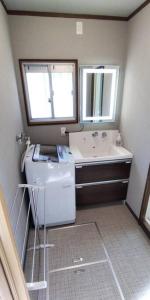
point(87, 147)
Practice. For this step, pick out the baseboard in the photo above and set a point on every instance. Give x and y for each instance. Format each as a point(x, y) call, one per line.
point(138, 220)
point(132, 212)
point(144, 228)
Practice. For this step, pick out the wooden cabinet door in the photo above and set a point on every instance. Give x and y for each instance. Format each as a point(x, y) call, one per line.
point(102, 171)
point(101, 193)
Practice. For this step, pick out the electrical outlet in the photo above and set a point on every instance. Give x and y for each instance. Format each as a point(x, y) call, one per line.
point(63, 131)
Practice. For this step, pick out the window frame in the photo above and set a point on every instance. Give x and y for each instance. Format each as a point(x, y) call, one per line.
point(48, 121)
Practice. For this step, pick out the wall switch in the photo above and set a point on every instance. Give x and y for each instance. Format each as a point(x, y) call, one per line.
point(63, 131)
point(79, 28)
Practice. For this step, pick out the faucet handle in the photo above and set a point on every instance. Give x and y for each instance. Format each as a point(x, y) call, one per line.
point(94, 134)
point(104, 134)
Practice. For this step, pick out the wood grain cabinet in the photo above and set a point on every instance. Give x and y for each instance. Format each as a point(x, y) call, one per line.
point(102, 182)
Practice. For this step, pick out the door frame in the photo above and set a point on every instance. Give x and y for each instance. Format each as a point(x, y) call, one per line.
point(9, 255)
point(145, 204)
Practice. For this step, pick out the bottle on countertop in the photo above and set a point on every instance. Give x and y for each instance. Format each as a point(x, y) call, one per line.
point(119, 140)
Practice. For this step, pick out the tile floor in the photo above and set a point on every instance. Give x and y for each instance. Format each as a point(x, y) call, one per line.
point(112, 258)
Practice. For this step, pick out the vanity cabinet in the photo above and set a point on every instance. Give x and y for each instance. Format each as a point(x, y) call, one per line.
point(102, 182)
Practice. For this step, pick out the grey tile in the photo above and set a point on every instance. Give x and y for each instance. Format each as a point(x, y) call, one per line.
point(127, 246)
point(129, 251)
point(108, 215)
point(38, 295)
point(94, 282)
point(128, 240)
point(73, 243)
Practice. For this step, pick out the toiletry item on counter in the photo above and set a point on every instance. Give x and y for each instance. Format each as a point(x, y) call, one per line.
point(119, 140)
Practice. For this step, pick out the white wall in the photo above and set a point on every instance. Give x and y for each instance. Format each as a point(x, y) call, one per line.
point(10, 122)
point(102, 42)
point(38, 37)
point(135, 119)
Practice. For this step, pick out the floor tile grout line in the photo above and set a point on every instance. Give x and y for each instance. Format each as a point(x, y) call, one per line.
point(108, 261)
point(71, 226)
point(81, 265)
point(111, 265)
point(115, 277)
point(100, 226)
point(75, 267)
point(78, 266)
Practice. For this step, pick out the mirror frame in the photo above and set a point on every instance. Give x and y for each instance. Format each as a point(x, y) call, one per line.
point(48, 121)
point(87, 69)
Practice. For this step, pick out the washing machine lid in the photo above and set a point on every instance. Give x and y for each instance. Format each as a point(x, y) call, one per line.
point(51, 153)
point(45, 153)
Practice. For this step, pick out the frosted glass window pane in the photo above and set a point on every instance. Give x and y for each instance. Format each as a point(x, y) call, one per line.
point(39, 94)
point(62, 85)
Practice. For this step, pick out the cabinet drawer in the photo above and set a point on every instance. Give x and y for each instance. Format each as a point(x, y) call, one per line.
point(101, 193)
point(104, 171)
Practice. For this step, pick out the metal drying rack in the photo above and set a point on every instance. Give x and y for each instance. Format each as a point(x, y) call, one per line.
point(32, 191)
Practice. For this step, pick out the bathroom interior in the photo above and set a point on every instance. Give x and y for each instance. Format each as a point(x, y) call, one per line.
point(74, 150)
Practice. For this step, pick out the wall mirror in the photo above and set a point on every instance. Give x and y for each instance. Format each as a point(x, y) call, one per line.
point(50, 91)
point(98, 93)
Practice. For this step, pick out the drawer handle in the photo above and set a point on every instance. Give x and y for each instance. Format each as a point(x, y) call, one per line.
point(79, 167)
point(128, 162)
point(79, 187)
point(77, 260)
point(78, 272)
point(125, 181)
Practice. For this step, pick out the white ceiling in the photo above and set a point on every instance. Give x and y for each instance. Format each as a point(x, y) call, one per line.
point(99, 7)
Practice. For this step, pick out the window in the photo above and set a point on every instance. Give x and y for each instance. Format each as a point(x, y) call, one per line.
point(50, 91)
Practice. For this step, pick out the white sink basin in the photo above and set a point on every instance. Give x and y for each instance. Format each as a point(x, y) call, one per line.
point(86, 148)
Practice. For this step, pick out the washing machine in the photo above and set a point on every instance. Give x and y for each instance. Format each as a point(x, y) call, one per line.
point(53, 168)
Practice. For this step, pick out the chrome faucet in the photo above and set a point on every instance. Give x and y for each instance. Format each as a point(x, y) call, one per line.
point(94, 134)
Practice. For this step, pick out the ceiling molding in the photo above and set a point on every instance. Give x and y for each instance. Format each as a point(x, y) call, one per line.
point(4, 5)
point(76, 16)
point(135, 12)
point(65, 15)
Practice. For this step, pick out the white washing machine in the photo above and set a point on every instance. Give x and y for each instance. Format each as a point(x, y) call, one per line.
point(52, 167)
